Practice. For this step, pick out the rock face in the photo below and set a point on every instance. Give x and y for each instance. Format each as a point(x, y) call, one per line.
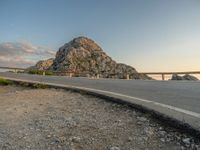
point(185, 77)
point(42, 65)
point(83, 56)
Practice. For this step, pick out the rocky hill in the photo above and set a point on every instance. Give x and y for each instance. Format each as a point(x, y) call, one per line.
point(83, 56)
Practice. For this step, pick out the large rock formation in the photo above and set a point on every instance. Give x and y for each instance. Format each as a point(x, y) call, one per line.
point(83, 56)
point(185, 77)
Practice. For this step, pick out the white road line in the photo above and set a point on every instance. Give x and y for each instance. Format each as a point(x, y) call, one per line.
point(191, 113)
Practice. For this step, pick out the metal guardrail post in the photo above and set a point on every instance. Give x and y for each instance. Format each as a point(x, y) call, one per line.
point(70, 75)
point(127, 77)
point(97, 76)
point(163, 77)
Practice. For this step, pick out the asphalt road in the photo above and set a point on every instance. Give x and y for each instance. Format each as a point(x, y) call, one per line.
point(182, 97)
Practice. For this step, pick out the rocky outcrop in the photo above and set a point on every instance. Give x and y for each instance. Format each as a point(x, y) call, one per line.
point(185, 77)
point(42, 65)
point(83, 56)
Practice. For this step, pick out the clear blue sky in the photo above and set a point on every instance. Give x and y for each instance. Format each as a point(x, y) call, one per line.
point(150, 35)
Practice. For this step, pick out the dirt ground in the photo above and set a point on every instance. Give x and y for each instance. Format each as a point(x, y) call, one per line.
point(51, 119)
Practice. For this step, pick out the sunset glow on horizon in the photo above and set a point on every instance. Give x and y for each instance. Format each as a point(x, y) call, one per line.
point(151, 36)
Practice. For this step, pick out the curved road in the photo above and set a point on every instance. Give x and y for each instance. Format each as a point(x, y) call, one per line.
point(177, 99)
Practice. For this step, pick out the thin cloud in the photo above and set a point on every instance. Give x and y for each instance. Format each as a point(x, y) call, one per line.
point(23, 54)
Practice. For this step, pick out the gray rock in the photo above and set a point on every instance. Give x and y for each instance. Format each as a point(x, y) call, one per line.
point(186, 141)
point(176, 77)
point(162, 133)
point(190, 77)
point(185, 77)
point(42, 65)
point(130, 139)
point(114, 148)
point(162, 139)
point(142, 119)
point(83, 57)
point(76, 139)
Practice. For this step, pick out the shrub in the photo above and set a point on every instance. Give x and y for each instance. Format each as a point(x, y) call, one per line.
point(49, 73)
point(5, 82)
point(39, 86)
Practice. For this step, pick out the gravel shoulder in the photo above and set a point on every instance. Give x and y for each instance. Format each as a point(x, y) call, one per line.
point(59, 119)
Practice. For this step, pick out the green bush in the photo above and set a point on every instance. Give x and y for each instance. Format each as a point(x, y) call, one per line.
point(5, 82)
point(49, 73)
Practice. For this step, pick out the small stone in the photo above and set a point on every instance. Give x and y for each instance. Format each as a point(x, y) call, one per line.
point(182, 148)
point(76, 139)
point(148, 130)
point(162, 140)
point(186, 141)
point(48, 136)
point(114, 148)
point(130, 139)
point(119, 120)
point(162, 133)
point(161, 128)
point(142, 119)
point(168, 140)
point(152, 125)
point(139, 123)
point(145, 138)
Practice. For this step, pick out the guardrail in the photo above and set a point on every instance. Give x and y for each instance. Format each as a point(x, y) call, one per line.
point(86, 74)
point(12, 68)
point(169, 73)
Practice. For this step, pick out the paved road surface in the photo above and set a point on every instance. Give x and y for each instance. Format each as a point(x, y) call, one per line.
point(178, 99)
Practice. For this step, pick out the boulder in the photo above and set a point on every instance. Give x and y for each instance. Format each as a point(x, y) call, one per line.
point(176, 77)
point(190, 77)
point(42, 65)
point(185, 77)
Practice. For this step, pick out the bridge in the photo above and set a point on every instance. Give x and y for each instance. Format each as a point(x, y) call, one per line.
point(16, 69)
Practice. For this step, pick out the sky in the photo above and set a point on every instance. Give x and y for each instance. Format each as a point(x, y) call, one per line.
point(150, 35)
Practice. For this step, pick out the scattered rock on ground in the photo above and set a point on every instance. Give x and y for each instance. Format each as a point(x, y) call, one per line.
point(59, 119)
